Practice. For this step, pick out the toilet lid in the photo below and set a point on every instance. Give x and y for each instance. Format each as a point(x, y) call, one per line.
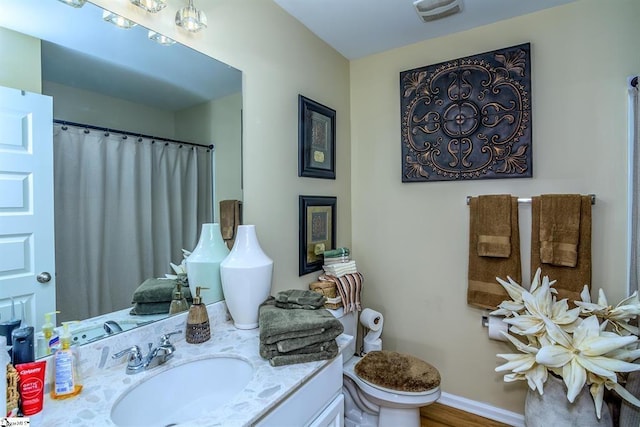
point(399, 373)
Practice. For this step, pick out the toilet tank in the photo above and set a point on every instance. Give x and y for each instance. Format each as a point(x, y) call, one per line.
point(350, 323)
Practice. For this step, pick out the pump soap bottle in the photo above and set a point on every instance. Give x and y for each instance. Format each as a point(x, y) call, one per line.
point(198, 330)
point(51, 339)
point(65, 382)
point(179, 302)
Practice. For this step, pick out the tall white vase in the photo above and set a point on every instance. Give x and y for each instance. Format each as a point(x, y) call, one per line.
point(203, 265)
point(246, 278)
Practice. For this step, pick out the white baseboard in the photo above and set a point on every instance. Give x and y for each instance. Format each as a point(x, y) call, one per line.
point(482, 409)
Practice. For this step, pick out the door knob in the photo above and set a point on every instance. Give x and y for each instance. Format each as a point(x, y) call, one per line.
point(44, 277)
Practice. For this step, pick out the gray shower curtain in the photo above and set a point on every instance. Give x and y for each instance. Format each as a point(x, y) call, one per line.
point(124, 209)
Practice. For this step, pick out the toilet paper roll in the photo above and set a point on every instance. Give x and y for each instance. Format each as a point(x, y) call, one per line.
point(496, 327)
point(371, 319)
point(374, 345)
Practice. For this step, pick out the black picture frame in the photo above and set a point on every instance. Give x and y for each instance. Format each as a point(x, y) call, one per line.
point(317, 231)
point(316, 139)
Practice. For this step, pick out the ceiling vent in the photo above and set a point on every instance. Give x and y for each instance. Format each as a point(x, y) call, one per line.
point(430, 10)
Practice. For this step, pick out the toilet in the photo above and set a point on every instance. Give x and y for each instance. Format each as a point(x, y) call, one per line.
point(369, 404)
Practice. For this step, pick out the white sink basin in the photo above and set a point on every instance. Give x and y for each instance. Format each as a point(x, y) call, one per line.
point(183, 393)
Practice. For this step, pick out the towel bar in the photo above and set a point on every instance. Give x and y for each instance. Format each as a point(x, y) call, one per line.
point(528, 199)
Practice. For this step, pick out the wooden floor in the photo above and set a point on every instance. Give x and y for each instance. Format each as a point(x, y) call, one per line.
point(438, 415)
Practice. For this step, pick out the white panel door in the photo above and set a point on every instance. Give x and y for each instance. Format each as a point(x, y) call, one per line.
point(26, 206)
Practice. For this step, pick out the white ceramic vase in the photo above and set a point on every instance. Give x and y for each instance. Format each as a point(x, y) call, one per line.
point(553, 408)
point(203, 265)
point(246, 278)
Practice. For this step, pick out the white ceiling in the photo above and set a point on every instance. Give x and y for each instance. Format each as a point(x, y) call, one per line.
point(358, 28)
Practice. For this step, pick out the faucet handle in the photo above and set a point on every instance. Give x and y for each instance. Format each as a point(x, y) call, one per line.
point(135, 355)
point(164, 339)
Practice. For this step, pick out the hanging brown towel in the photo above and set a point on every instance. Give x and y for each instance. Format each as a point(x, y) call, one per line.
point(483, 290)
point(559, 229)
point(494, 226)
point(230, 218)
point(570, 280)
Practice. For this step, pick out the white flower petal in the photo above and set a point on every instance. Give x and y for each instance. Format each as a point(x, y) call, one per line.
point(554, 356)
point(599, 345)
point(574, 376)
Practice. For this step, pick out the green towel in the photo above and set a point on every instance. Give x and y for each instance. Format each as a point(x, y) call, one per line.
point(329, 353)
point(150, 308)
point(158, 290)
point(335, 253)
point(299, 298)
point(277, 324)
point(267, 351)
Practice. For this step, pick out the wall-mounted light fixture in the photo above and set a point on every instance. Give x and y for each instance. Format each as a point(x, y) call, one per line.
point(152, 6)
point(117, 20)
point(159, 38)
point(191, 19)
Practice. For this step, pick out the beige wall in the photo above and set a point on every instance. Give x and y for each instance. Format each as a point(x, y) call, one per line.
point(82, 106)
point(20, 61)
point(411, 240)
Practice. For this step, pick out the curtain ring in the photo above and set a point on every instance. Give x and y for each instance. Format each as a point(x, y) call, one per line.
point(87, 131)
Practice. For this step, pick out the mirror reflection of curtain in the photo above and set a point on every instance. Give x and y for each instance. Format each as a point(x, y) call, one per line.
point(124, 209)
point(634, 186)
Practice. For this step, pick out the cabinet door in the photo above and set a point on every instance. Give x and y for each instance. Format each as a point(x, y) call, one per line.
point(332, 416)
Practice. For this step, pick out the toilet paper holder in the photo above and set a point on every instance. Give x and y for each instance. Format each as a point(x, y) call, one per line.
point(485, 320)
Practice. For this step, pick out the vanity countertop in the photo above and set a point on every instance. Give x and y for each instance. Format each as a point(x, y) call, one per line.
point(267, 388)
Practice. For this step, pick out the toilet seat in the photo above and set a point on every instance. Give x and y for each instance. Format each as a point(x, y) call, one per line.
point(386, 397)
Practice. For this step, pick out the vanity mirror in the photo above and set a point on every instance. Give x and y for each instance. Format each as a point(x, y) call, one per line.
point(168, 92)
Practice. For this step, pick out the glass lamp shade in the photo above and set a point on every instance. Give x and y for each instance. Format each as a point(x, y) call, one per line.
point(74, 3)
point(152, 6)
point(191, 19)
point(159, 38)
point(117, 20)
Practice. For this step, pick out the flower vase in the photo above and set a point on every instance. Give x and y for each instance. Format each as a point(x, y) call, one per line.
point(246, 278)
point(553, 409)
point(203, 265)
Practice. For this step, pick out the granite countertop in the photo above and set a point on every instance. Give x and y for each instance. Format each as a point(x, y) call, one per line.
point(107, 381)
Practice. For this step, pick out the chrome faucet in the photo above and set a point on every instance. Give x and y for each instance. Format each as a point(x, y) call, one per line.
point(111, 327)
point(156, 356)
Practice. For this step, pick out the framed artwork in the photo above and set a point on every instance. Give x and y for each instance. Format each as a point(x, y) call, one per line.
point(317, 232)
point(468, 118)
point(316, 139)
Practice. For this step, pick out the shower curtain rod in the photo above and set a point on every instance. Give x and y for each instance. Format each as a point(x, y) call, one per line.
point(526, 200)
point(124, 132)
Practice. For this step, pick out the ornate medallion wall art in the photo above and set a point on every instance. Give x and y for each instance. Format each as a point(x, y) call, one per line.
point(468, 118)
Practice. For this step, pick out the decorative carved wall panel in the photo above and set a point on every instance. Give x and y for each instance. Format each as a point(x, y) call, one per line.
point(468, 118)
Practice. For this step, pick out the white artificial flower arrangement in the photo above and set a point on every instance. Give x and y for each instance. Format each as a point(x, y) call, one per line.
point(589, 344)
point(180, 270)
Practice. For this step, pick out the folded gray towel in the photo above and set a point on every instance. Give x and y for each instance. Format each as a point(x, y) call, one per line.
point(158, 290)
point(329, 353)
point(299, 298)
point(267, 351)
point(141, 308)
point(277, 324)
point(291, 344)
